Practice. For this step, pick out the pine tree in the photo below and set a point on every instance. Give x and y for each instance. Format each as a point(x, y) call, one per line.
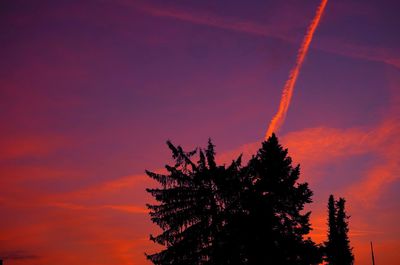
point(331, 244)
point(337, 248)
point(345, 255)
point(275, 202)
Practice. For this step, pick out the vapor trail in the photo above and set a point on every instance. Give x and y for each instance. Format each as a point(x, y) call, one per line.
point(287, 92)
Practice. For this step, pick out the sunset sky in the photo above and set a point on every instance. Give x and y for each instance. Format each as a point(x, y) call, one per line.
point(91, 90)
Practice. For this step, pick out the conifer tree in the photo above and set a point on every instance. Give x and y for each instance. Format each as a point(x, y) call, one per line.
point(345, 255)
point(337, 248)
point(217, 215)
point(195, 200)
point(275, 202)
point(331, 244)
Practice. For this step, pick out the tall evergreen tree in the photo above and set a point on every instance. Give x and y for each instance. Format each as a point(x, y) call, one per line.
point(337, 248)
point(331, 244)
point(345, 255)
point(275, 202)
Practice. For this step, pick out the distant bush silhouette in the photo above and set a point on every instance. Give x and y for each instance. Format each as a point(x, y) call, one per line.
point(337, 248)
point(218, 215)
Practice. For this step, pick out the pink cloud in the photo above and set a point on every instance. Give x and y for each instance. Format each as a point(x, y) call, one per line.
point(27, 146)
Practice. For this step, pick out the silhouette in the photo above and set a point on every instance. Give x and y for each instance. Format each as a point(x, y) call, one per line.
point(219, 215)
point(330, 245)
point(275, 201)
point(372, 254)
point(337, 248)
point(195, 199)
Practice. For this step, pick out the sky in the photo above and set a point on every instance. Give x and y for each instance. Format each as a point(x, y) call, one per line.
point(91, 90)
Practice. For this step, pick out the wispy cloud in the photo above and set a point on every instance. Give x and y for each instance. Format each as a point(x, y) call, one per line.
point(213, 20)
point(327, 44)
point(20, 146)
point(117, 207)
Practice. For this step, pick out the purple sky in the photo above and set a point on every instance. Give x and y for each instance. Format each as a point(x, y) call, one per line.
point(91, 90)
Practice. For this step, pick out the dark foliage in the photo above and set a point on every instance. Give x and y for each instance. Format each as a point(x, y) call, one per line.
point(196, 199)
point(337, 248)
point(275, 203)
point(220, 215)
point(330, 245)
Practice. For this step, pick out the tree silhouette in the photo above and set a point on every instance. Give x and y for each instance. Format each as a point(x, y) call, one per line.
point(275, 201)
point(331, 244)
point(196, 199)
point(345, 255)
point(337, 248)
point(234, 215)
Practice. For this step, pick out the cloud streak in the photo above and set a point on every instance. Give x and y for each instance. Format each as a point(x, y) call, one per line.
point(134, 209)
point(339, 47)
point(22, 146)
point(288, 89)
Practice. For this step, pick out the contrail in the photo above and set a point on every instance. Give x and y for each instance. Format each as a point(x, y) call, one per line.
point(287, 92)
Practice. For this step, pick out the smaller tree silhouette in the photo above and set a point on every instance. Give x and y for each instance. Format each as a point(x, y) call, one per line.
point(330, 247)
point(337, 248)
point(345, 255)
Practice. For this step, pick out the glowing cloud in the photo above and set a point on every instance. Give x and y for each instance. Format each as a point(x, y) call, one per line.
point(287, 93)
